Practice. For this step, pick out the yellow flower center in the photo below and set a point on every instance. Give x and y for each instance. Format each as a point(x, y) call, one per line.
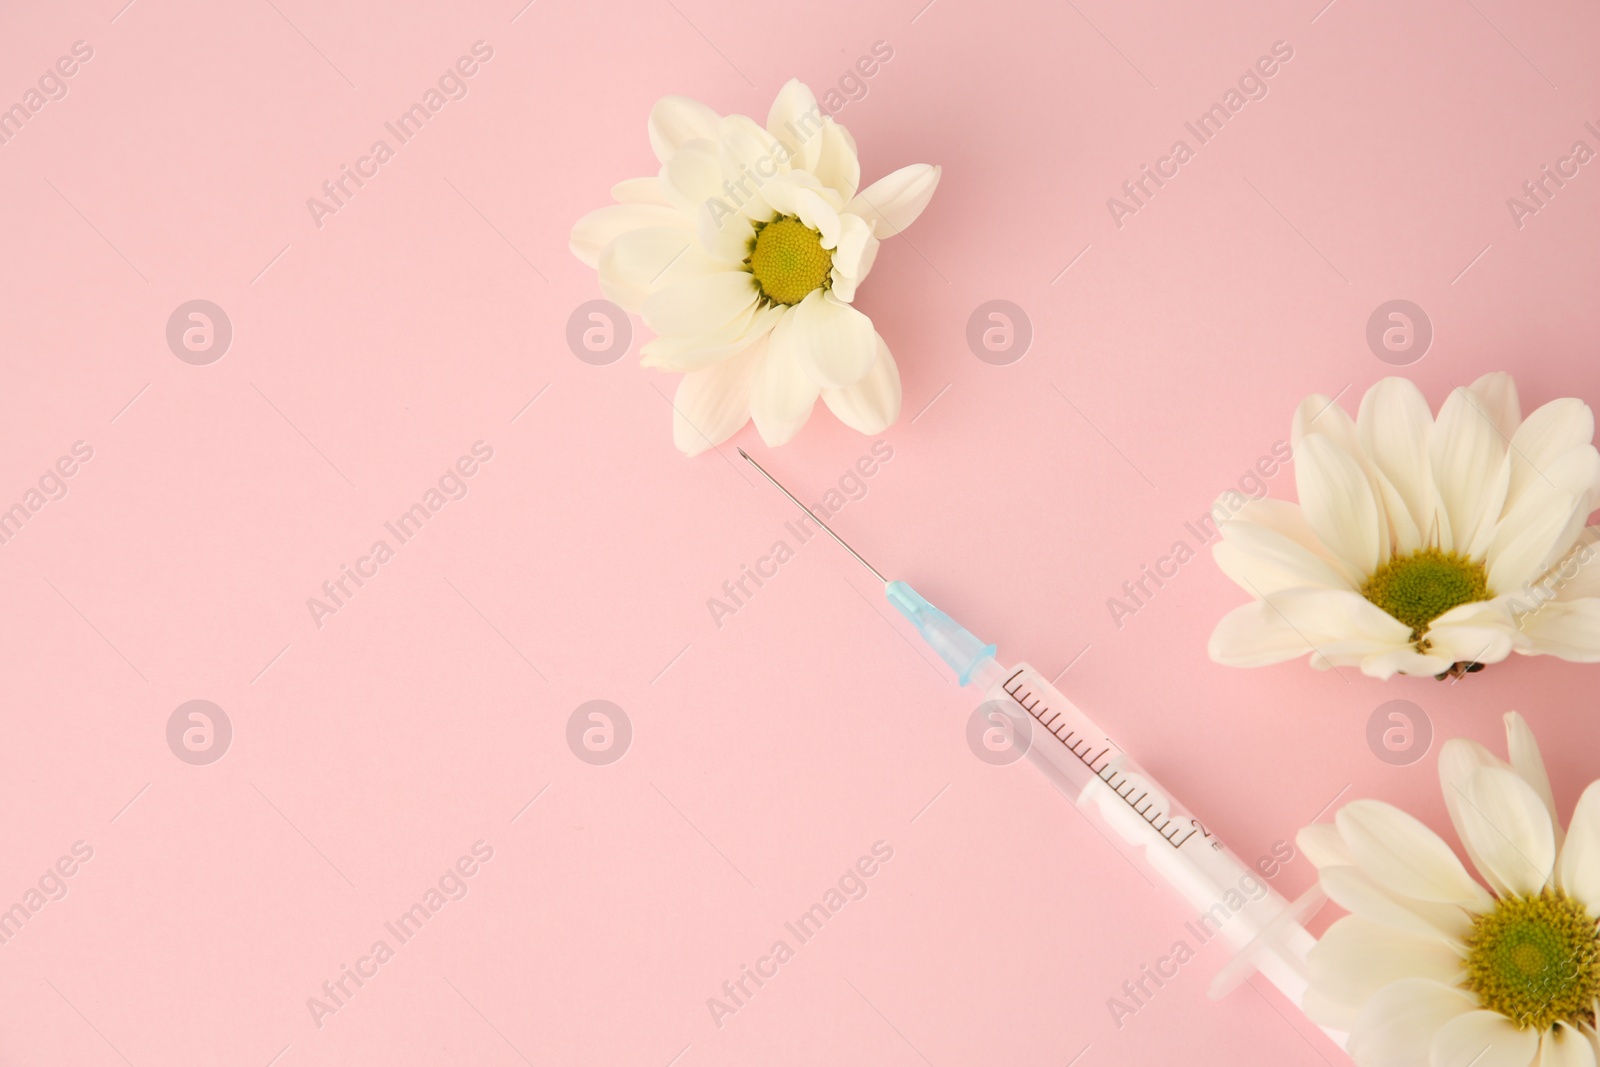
point(1418, 588)
point(1536, 960)
point(788, 260)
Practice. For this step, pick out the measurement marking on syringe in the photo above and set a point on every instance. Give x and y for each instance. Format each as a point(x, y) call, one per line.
point(1081, 749)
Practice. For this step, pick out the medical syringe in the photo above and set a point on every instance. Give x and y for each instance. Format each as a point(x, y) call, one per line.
point(1128, 806)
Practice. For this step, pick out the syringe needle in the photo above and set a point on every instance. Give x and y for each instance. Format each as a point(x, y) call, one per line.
point(957, 646)
point(826, 529)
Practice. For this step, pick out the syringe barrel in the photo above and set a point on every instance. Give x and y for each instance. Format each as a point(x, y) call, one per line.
point(1228, 896)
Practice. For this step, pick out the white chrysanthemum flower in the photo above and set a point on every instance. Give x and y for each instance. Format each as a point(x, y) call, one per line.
point(1422, 545)
point(1432, 968)
point(744, 255)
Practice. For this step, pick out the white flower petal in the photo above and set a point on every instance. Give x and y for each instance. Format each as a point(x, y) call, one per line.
point(1483, 1039)
point(1325, 1011)
point(796, 120)
point(1263, 561)
point(1407, 660)
point(1397, 1025)
point(1404, 535)
point(1569, 629)
point(677, 120)
point(597, 229)
point(857, 247)
point(1338, 502)
point(1323, 846)
point(782, 394)
point(692, 178)
point(1288, 518)
point(1577, 574)
point(639, 263)
point(1480, 632)
point(1496, 393)
point(1403, 856)
point(1357, 957)
point(1509, 828)
point(1393, 425)
point(699, 305)
point(783, 192)
point(1358, 894)
point(1566, 1046)
point(1526, 544)
point(817, 213)
point(894, 201)
point(837, 166)
point(750, 158)
point(711, 405)
point(1578, 871)
point(1322, 414)
point(835, 343)
point(1467, 453)
point(1296, 621)
point(871, 405)
point(1459, 758)
point(1526, 760)
point(640, 191)
point(1542, 526)
point(745, 146)
point(700, 351)
point(727, 237)
point(842, 288)
point(1554, 428)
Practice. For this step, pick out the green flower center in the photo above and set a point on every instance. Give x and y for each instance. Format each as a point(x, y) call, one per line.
point(1536, 960)
point(1418, 588)
point(788, 260)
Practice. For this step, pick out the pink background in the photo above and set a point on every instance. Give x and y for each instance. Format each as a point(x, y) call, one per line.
point(767, 754)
